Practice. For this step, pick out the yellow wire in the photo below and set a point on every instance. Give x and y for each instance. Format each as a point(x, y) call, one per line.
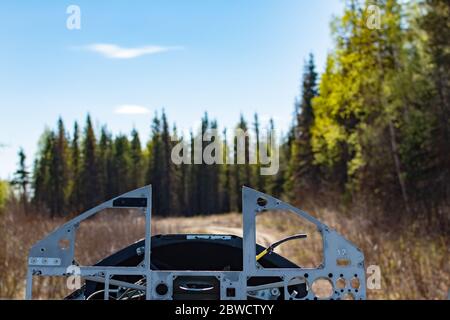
point(262, 254)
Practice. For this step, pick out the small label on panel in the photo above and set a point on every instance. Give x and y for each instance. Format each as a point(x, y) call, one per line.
point(40, 261)
point(207, 237)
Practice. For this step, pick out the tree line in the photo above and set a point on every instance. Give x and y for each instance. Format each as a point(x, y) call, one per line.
point(74, 173)
point(374, 128)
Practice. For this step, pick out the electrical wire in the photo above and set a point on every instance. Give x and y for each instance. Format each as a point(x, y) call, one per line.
point(272, 247)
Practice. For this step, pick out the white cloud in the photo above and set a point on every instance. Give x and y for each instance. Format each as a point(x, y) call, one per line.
point(130, 109)
point(113, 51)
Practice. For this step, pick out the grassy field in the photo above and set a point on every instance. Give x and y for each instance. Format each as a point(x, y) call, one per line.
point(414, 264)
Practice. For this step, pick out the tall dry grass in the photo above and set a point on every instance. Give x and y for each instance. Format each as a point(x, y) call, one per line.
point(414, 263)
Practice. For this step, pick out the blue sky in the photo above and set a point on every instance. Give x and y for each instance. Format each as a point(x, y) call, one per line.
point(224, 56)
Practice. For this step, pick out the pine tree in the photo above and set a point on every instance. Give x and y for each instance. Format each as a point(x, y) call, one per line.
point(436, 25)
point(168, 197)
point(75, 195)
point(214, 177)
point(180, 180)
point(21, 179)
point(193, 184)
point(136, 170)
point(225, 178)
point(154, 171)
point(302, 172)
point(281, 148)
point(41, 171)
point(59, 172)
point(107, 189)
point(241, 171)
point(121, 163)
point(89, 168)
point(274, 183)
point(257, 177)
point(202, 176)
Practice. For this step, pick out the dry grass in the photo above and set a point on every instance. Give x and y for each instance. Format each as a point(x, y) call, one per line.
point(414, 265)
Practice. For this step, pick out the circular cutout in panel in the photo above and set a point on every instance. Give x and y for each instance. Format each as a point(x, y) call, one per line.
point(262, 202)
point(161, 289)
point(322, 288)
point(297, 288)
point(348, 296)
point(355, 283)
point(341, 283)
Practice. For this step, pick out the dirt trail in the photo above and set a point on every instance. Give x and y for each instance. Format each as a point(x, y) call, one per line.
point(229, 224)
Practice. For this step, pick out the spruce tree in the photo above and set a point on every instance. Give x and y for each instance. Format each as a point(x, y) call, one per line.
point(258, 181)
point(89, 168)
point(225, 178)
point(193, 184)
point(41, 171)
point(154, 171)
point(302, 172)
point(180, 180)
point(169, 199)
point(214, 177)
point(436, 25)
point(121, 164)
point(75, 164)
point(105, 165)
point(137, 162)
point(241, 172)
point(21, 179)
point(274, 184)
point(59, 172)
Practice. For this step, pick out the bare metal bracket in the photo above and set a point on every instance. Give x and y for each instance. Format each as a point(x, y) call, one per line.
point(54, 256)
point(342, 259)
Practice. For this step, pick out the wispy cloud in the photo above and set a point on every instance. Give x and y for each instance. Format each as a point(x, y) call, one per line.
point(130, 109)
point(114, 51)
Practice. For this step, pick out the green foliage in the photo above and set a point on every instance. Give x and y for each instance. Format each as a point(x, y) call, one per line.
point(375, 127)
point(4, 193)
point(375, 130)
point(302, 173)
